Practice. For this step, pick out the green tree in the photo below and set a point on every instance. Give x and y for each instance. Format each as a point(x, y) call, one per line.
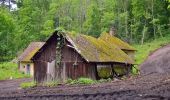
point(7, 29)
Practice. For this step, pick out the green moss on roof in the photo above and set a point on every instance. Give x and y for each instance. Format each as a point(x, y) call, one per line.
point(97, 50)
point(30, 54)
point(118, 42)
point(30, 51)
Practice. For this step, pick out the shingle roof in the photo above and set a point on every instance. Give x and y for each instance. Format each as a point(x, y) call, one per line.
point(30, 51)
point(97, 50)
point(118, 42)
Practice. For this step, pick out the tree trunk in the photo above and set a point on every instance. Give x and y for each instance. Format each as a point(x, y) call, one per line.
point(154, 28)
point(143, 33)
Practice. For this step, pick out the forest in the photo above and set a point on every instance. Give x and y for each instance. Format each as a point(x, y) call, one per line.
point(134, 21)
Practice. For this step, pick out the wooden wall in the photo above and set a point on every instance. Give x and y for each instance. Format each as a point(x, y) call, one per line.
point(46, 54)
point(75, 65)
point(67, 69)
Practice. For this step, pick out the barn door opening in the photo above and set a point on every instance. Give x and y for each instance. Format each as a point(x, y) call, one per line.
point(28, 69)
point(104, 71)
point(40, 70)
point(51, 71)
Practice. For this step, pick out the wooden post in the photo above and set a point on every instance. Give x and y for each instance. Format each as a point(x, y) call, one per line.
point(114, 73)
point(97, 76)
point(128, 68)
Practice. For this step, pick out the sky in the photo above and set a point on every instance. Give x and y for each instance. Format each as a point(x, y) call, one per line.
point(13, 4)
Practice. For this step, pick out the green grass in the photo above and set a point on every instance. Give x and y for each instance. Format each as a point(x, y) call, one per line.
point(144, 50)
point(51, 84)
point(84, 81)
point(28, 85)
point(10, 70)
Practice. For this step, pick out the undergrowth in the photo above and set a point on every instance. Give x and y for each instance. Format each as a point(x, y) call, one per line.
point(50, 84)
point(85, 81)
point(10, 70)
point(28, 85)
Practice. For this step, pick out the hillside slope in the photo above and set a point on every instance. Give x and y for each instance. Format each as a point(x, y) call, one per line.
point(144, 50)
point(157, 62)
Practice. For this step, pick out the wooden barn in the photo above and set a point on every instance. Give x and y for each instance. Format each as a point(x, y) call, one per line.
point(65, 55)
point(124, 46)
point(25, 64)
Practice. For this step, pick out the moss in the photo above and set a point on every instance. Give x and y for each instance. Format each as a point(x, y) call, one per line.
point(114, 40)
point(30, 54)
point(119, 70)
point(98, 50)
point(104, 72)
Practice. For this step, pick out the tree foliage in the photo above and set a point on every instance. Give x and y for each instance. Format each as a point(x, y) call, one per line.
point(134, 21)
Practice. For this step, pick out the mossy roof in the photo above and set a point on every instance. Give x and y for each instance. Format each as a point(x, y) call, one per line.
point(118, 42)
point(30, 51)
point(97, 50)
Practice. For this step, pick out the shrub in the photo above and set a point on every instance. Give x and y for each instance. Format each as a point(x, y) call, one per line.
point(135, 70)
point(28, 85)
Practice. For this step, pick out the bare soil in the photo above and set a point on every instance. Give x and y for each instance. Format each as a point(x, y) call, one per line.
point(12, 85)
point(154, 86)
point(157, 62)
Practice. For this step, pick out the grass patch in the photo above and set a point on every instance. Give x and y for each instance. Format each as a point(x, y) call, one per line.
point(144, 50)
point(50, 84)
point(10, 70)
point(85, 81)
point(104, 80)
point(28, 85)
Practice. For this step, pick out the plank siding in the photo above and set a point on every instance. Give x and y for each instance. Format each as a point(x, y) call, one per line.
point(66, 70)
point(46, 54)
point(83, 68)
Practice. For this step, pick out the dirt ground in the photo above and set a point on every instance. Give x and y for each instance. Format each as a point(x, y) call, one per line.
point(157, 61)
point(12, 85)
point(154, 86)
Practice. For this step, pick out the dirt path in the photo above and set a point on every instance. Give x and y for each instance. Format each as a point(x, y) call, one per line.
point(154, 86)
point(12, 85)
point(153, 83)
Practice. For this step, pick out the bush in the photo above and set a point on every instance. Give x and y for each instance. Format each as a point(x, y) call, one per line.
point(135, 70)
point(28, 85)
